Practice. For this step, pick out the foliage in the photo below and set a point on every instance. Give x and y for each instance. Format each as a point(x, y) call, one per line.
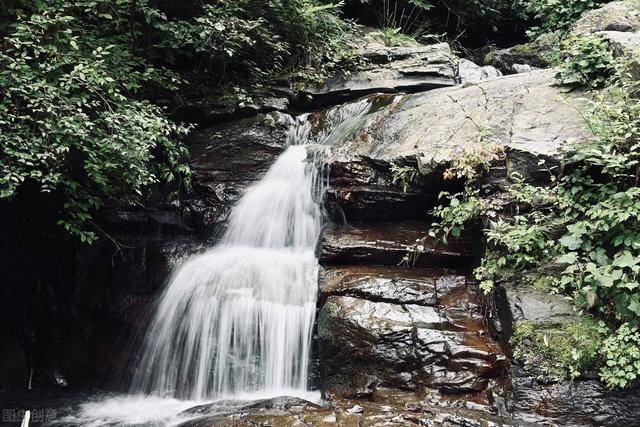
point(452, 217)
point(392, 36)
point(258, 39)
point(475, 158)
point(601, 198)
point(557, 16)
point(555, 351)
point(588, 63)
point(404, 175)
point(590, 216)
point(621, 351)
point(77, 80)
point(71, 118)
point(523, 240)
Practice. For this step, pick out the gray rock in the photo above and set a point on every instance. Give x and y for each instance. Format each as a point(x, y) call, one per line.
point(470, 72)
point(523, 113)
point(536, 306)
point(395, 285)
point(625, 45)
point(573, 403)
point(522, 68)
point(619, 16)
point(534, 54)
point(386, 69)
point(226, 159)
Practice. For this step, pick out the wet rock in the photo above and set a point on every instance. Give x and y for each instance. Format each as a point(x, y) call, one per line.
point(535, 399)
point(226, 159)
point(281, 402)
point(573, 403)
point(389, 243)
point(387, 407)
point(536, 306)
point(279, 411)
point(204, 107)
point(620, 16)
point(412, 68)
point(470, 72)
point(363, 190)
point(389, 284)
point(405, 328)
point(534, 54)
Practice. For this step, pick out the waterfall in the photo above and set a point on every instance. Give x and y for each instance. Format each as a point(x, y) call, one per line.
point(239, 317)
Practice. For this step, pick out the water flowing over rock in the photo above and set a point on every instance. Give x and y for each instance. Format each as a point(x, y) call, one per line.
point(239, 317)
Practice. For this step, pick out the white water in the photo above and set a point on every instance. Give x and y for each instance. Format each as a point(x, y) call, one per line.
point(239, 317)
point(236, 321)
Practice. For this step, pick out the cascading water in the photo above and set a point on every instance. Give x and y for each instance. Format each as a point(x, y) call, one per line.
point(239, 318)
point(236, 322)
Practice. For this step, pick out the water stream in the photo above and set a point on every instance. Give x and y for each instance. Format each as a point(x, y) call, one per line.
point(236, 321)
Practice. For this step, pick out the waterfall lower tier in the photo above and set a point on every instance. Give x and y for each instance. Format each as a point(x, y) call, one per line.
point(238, 318)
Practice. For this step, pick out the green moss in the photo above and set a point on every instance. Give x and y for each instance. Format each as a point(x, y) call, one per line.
point(557, 350)
point(325, 318)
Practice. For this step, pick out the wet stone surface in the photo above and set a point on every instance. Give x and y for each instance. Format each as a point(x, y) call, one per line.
point(402, 328)
point(388, 243)
point(383, 408)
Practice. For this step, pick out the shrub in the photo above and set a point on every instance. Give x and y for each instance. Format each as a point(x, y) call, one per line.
point(588, 62)
point(557, 15)
point(71, 119)
point(621, 352)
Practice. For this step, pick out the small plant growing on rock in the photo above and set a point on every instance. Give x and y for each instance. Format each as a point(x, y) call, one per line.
point(622, 354)
point(588, 63)
point(392, 37)
point(555, 351)
point(404, 175)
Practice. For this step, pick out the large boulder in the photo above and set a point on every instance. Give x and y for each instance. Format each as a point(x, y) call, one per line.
point(387, 243)
point(523, 114)
point(522, 57)
point(618, 16)
point(388, 69)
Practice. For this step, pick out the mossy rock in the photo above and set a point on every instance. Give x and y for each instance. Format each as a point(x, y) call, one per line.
point(554, 351)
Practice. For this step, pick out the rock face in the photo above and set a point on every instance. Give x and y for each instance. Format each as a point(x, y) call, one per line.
point(405, 328)
point(388, 407)
point(226, 159)
point(521, 112)
point(412, 68)
point(388, 244)
point(580, 402)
